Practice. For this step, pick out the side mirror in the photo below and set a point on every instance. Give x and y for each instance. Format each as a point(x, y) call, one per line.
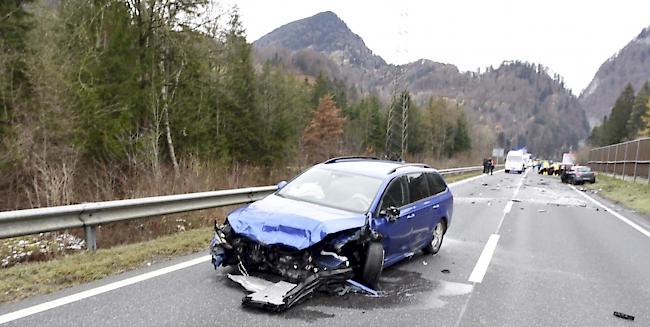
point(281, 185)
point(391, 213)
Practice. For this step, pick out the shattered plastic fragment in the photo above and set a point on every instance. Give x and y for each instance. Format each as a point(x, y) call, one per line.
point(541, 210)
point(445, 271)
point(250, 283)
point(362, 288)
point(623, 315)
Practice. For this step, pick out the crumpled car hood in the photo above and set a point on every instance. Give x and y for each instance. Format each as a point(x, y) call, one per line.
point(278, 220)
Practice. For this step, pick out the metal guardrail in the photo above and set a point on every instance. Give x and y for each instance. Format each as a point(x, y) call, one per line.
point(90, 215)
point(461, 170)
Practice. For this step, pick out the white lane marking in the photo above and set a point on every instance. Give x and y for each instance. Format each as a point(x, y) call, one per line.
point(484, 260)
point(508, 207)
point(616, 214)
point(98, 290)
point(463, 181)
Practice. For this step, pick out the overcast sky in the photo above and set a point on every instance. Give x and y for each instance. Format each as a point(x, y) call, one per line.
point(571, 37)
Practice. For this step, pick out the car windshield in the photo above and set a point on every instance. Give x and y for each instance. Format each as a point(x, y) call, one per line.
point(332, 188)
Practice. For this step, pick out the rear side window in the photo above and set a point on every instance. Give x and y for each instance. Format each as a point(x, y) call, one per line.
point(418, 187)
point(395, 195)
point(436, 183)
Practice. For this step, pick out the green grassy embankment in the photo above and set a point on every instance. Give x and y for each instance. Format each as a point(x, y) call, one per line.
point(31, 278)
point(632, 195)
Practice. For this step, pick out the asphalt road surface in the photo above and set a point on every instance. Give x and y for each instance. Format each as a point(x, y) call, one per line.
point(522, 250)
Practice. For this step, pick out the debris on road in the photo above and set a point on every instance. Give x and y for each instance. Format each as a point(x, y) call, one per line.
point(623, 315)
point(445, 271)
point(424, 263)
point(485, 184)
point(515, 200)
point(541, 210)
point(282, 295)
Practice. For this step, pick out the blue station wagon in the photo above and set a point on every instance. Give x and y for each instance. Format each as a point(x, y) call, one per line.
point(348, 217)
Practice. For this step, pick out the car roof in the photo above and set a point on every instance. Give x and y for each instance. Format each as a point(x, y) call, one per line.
point(372, 167)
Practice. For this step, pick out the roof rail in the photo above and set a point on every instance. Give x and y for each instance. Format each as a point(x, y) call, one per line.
point(333, 160)
point(421, 165)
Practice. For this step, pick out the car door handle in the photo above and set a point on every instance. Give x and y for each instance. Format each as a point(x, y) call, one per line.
point(410, 216)
point(436, 206)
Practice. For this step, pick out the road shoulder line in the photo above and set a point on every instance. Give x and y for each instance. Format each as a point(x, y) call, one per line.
point(22, 313)
point(614, 213)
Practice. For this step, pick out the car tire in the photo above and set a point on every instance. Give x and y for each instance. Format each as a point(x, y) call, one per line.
point(436, 241)
point(373, 264)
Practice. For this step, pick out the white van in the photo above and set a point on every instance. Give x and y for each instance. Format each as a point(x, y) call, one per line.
point(515, 162)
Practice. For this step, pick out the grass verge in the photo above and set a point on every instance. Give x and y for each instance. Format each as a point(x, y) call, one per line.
point(24, 280)
point(32, 278)
point(632, 195)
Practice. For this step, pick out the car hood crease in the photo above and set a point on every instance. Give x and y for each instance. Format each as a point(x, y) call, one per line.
point(298, 224)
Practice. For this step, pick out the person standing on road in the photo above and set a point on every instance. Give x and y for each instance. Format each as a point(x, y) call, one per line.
point(491, 164)
point(485, 166)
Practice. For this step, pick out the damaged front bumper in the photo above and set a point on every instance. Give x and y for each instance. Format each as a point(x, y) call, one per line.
point(300, 272)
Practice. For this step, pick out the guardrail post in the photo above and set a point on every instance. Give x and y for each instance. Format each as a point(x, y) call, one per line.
point(636, 159)
point(90, 233)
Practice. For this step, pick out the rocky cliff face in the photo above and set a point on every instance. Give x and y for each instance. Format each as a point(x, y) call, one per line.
point(630, 65)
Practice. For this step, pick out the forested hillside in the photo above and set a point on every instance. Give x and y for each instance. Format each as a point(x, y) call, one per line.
point(513, 105)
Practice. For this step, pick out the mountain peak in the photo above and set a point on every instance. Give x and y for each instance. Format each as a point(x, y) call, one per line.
point(324, 32)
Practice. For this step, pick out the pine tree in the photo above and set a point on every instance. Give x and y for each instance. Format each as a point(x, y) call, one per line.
point(615, 129)
point(241, 123)
point(322, 138)
point(462, 142)
point(15, 23)
point(645, 131)
point(634, 123)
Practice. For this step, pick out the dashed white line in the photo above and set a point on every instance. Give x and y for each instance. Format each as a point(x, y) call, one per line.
point(486, 256)
point(614, 213)
point(98, 290)
point(484, 260)
point(507, 208)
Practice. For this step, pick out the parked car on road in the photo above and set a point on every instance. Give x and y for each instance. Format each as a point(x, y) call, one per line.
point(579, 175)
point(348, 216)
